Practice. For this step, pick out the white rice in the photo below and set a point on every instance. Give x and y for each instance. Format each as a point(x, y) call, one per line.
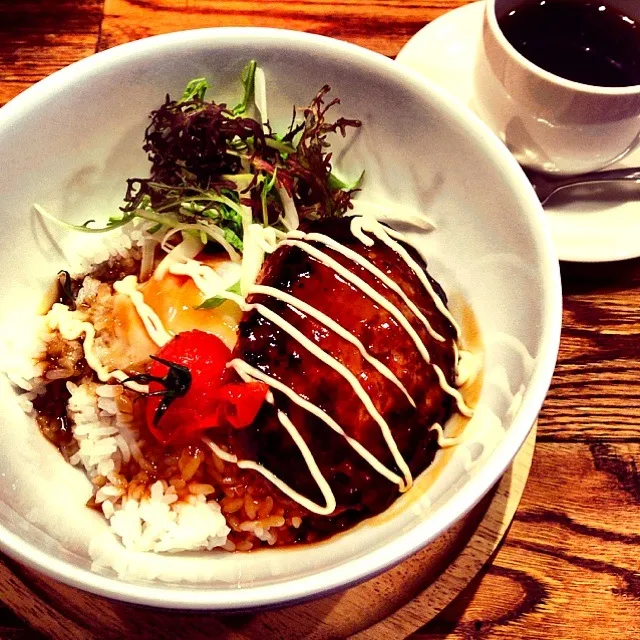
point(106, 438)
point(162, 524)
point(98, 248)
point(159, 522)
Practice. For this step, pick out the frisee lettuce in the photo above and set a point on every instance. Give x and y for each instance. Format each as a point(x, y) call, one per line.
point(220, 169)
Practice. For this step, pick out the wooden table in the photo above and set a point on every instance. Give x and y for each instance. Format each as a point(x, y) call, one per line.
point(570, 564)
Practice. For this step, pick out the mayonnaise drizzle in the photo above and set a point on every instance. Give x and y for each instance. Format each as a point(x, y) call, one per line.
point(469, 365)
point(453, 392)
point(72, 328)
point(336, 328)
point(209, 283)
point(379, 231)
point(247, 372)
point(327, 494)
point(384, 234)
point(365, 288)
point(205, 278)
point(310, 461)
point(337, 366)
point(444, 441)
point(369, 266)
point(129, 287)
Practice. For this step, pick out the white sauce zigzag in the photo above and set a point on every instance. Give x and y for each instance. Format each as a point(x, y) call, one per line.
point(359, 225)
point(129, 287)
point(247, 372)
point(72, 328)
point(337, 366)
point(383, 234)
point(366, 289)
point(369, 266)
point(336, 328)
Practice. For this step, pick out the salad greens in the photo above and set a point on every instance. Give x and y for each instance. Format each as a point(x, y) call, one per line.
point(216, 301)
point(217, 167)
point(215, 170)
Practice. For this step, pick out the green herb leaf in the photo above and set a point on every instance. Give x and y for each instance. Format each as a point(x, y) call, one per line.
point(216, 301)
point(113, 222)
point(337, 183)
point(195, 90)
point(266, 183)
point(247, 78)
point(232, 238)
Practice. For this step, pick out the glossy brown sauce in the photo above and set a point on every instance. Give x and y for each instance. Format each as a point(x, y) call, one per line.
point(52, 420)
point(471, 340)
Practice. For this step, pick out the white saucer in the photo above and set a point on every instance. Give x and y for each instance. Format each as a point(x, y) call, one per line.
point(587, 226)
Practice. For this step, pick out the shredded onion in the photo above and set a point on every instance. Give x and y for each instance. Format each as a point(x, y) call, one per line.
point(247, 217)
point(216, 235)
point(260, 95)
point(291, 220)
point(148, 254)
point(165, 245)
point(189, 248)
point(187, 252)
point(252, 257)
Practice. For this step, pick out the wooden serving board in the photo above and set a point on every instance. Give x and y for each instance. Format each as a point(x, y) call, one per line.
point(392, 605)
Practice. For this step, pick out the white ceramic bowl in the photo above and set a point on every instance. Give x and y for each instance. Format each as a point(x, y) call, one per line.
point(70, 142)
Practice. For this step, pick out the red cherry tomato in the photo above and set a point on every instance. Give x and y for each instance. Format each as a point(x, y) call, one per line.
point(239, 403)
point(207, 402)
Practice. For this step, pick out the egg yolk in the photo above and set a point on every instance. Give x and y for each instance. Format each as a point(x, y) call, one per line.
point(131, 343)
point(175, 299)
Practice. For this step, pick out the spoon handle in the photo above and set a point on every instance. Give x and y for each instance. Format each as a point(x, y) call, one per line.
point(612, 175)
point(545, 185)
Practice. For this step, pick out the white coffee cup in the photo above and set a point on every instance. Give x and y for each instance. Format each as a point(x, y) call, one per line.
point(548, 122)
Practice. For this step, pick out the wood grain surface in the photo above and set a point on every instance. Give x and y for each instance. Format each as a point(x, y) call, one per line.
point(569, 567)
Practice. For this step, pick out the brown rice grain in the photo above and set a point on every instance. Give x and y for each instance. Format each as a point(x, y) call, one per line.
point(125, 404)
point(231, 505)
point(198, 488)
point(178, 483)
point(265, 508)
point(250, 507)
point(244, 545)
point(99, 481)
point(218, 464)
point(233, 522)
point(189, 463)
point(137, 492)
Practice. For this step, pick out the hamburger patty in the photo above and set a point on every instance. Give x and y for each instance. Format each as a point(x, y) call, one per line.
point(360, 490)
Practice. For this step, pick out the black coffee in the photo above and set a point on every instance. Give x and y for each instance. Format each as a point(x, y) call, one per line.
point(588, 42)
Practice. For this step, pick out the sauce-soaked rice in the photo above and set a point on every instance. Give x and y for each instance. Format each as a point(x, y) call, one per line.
point(52, 419)
point(64, 361)
point(246, 499)
point(116, 269)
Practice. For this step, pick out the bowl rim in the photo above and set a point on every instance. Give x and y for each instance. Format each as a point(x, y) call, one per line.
point(379, 560)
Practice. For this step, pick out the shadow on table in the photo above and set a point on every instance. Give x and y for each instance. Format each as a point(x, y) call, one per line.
point(602, 277)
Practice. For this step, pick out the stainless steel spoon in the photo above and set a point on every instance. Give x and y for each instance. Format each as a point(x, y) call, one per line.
point(545, 185)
